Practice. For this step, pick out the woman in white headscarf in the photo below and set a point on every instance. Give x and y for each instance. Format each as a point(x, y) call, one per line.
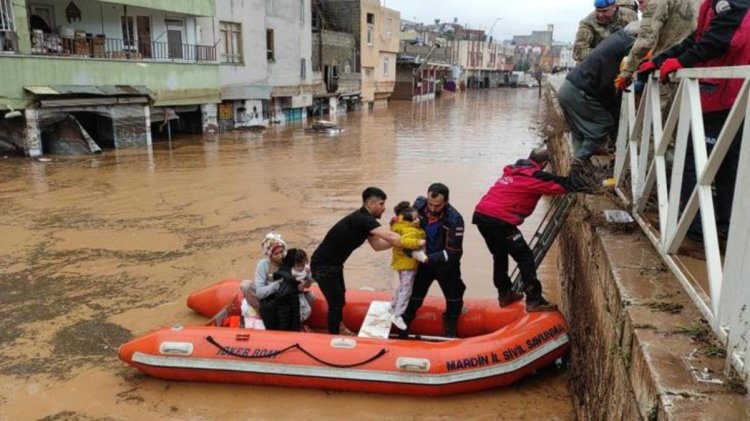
point(274, 249)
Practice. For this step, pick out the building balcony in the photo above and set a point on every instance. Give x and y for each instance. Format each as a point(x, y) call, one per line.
point(143, 30)
point(100, 47)
point(172, 83)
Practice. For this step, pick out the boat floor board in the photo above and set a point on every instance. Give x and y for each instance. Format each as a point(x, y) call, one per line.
point(377, 323)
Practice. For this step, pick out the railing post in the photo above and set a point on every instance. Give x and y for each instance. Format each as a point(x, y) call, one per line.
point(734, 303)
point(623, 131)
point(678, 166)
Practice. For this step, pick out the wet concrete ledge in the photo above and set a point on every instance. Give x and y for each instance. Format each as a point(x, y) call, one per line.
point(640, 349)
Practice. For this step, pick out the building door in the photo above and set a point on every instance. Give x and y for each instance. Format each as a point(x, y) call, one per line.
point(175, 30)
point(144, 36)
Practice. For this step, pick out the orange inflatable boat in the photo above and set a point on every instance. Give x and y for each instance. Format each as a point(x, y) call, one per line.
point(496, 347)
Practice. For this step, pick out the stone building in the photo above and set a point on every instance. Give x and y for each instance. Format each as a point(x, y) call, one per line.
point(334, 57)
point(376, 39)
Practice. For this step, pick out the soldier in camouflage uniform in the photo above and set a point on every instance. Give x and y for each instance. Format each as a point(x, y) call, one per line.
point(665, 24)
point(607, 19)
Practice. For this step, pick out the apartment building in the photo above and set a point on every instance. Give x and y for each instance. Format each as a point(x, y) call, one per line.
point(117, 68)
point(486, 63)
point(376, 33)
point(264, 47)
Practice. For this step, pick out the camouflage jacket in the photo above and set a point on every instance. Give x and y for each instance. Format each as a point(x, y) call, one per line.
point(629, 4)
point(591, 33)
point(665, 23)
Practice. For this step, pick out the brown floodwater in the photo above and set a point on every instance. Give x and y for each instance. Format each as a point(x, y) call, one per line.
point(95, 250)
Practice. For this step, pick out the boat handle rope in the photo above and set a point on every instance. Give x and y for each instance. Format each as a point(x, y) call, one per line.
point(228, 351)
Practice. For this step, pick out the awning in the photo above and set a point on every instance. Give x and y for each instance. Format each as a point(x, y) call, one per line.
point(94, 90)
point(54, 96)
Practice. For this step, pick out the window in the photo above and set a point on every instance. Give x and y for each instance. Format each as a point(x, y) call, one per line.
point(388, 26)
point(303, 69)
point(369, 35)
point(231, 38)
point(8, 38)
point(386, 66)
point(302, 11)
point(270, 54)
point(128, 31)
point(370, 18)
point(315, 21)
point(7, 23)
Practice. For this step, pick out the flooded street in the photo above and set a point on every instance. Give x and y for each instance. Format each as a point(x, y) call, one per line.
point(97, 250)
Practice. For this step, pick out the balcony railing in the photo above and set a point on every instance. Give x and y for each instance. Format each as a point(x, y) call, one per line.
point(8, 41)
point(118, 49)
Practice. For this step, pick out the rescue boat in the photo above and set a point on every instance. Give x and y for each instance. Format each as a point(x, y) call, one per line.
point(496, 347)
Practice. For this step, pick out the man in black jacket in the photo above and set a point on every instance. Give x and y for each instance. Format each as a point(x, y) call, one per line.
point(444, 227)
point(587, 96)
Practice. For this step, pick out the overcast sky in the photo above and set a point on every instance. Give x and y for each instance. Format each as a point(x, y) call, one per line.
point(518, 17)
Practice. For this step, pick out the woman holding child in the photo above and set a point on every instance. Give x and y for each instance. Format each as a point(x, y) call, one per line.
point(279, 269)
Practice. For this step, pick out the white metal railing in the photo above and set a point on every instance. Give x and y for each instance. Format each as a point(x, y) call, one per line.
point(641, 160)
point(7, 23)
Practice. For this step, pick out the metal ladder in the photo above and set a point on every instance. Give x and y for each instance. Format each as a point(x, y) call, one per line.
point(547, 232)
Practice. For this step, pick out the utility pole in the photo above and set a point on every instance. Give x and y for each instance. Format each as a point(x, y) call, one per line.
point(493, 25)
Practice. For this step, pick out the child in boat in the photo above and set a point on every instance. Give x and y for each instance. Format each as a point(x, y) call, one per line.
point(406, 258)
point(301, 272)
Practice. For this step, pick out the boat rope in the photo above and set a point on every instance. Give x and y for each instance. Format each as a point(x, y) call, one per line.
point(228, 351)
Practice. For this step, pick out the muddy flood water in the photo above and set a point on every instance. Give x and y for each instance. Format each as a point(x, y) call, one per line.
point(97, 250)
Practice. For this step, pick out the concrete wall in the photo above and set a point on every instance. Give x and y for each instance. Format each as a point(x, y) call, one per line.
point(338, 50)
point(350, 83)
point(346, 16)
point(290, 20)
point(172, 83)
point(250, 14)
point(192, 7)
point(639, 348)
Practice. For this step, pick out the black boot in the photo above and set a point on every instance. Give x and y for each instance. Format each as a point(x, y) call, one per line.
point(449, 326)
point(539, 304)
point(508, 298)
